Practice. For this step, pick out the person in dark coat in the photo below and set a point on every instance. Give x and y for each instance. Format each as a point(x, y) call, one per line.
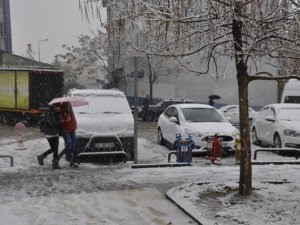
point(69, 125)
point(146, 107)
point(50, 126)
point(211, 101)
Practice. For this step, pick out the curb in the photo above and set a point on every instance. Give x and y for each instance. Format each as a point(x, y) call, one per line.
point(276, 163)
point(158, 165)
point(183, 209)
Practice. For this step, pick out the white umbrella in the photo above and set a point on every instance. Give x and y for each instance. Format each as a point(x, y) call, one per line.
point(75, 101)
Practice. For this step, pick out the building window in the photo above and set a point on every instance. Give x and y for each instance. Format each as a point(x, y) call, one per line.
point(140, 74)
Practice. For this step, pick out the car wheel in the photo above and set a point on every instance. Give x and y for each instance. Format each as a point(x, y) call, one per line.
point(276, 141)
point(160, 137)
point(256, 141)
point(250, 122)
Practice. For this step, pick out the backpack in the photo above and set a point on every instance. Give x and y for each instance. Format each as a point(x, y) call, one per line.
point(49, 123)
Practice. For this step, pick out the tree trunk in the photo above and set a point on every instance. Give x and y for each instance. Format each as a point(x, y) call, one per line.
point(150, 78)
point(245, 183)
point(151, 92)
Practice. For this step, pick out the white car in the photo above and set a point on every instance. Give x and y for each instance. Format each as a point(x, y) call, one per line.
point(278, 125)
point(107, 117)
point(232, 113)
point(200, 120)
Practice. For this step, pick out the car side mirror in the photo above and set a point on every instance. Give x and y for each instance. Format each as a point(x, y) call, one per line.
point(173, 120)
point(270, 118)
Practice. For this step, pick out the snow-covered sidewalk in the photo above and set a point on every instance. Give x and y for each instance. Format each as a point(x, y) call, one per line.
point(276, 203)
point(146, 206)
point(208, 193)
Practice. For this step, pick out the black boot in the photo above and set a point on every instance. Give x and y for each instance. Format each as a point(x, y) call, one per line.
point(73, 164)
point(40, 159)
point(55, 164)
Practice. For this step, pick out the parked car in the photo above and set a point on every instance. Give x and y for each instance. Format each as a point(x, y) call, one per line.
point(278, 125)
point(156, 110)
point(106, 122)
point(200, 120)
point(291, 92)
point(232, 113)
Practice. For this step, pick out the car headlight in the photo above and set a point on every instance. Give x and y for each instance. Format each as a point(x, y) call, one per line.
point(291, 133)
point(192, 133)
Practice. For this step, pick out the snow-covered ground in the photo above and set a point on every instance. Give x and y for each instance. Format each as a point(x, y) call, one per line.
point(118, 194)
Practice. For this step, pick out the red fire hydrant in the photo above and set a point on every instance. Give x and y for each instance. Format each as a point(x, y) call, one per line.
point(214, 148)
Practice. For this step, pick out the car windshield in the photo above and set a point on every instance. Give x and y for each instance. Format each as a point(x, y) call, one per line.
point(290, 114)
point(110, 104)
point(201, 115)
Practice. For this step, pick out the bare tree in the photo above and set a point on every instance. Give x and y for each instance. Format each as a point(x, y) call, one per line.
point(87, 55)
point(92, 54)
point(70, 76)
point(158, 66)
point(252, 33)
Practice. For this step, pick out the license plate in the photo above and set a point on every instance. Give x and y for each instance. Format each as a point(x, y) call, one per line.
point(104, 145)
point(225, 144)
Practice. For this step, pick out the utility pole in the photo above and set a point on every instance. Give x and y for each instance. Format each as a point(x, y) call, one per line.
point(39, 43)
point(135, 108)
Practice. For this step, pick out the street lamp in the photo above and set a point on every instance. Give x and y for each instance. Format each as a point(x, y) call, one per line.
point(39, 42)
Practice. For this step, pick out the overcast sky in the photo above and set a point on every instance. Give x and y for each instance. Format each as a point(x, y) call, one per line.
point(59, 21)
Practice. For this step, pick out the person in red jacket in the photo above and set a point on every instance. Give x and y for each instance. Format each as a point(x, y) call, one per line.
point(68, 126)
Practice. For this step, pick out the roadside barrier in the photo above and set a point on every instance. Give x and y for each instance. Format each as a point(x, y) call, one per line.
point(276, 150)
point(10, 157)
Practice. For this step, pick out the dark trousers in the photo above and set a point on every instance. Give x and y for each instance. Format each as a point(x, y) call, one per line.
point(69, 139)
point(68, 156)
point(145, 114)
point(53, 142)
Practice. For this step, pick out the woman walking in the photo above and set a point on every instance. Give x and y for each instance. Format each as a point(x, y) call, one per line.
point(69, 125)
point(50, 126)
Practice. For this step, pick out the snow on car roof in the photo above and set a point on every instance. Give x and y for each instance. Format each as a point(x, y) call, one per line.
point(285, 105)
point(102, 100)
point(194, 105)
point(96, 92)
point(177, 100)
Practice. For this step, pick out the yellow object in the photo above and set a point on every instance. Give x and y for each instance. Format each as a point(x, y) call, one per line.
point(237, 146)
point(22, 90)
point(14, 89)
point(7, 89)
point(237, 151)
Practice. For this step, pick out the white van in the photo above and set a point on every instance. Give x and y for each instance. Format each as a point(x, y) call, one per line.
point(291, 92)
point(105, 125)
